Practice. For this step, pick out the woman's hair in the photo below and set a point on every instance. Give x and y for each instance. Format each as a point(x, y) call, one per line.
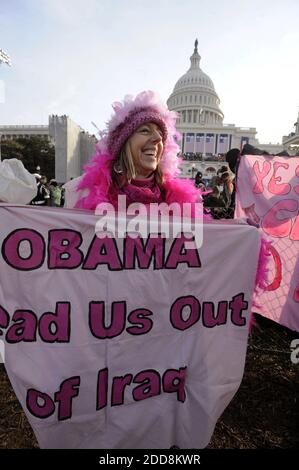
point(124, 166)
point(215, 190)
point(225, 175)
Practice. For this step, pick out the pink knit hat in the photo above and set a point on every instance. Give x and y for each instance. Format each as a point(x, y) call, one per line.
point(138, 116)
point(132, 113)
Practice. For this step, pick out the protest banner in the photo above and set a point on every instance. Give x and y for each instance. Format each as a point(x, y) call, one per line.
point(268, 193)
point(122, 343)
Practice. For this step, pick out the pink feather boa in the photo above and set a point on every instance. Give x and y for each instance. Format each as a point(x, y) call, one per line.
point(97, 179)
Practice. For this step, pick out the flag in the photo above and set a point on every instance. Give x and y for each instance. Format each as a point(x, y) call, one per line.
point(223, 143)
point(4, 57)
point(209, 147)
point(189, 147)
point(199, 141)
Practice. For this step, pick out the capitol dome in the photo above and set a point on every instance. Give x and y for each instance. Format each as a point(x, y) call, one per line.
point(194, 97)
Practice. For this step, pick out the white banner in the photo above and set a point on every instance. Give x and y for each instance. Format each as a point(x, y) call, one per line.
point(122, 343)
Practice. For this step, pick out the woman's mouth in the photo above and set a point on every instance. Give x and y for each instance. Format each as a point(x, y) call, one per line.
point(149, 153)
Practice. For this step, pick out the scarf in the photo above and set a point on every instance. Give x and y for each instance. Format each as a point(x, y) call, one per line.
point(145, 191)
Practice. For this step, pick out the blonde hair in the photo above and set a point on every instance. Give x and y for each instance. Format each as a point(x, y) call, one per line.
point(125, 166)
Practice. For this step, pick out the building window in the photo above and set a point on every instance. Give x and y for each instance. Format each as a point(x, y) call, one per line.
point(195, 98)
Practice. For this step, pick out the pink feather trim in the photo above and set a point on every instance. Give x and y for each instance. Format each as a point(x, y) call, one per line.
point(97, 179)
point(261, 278)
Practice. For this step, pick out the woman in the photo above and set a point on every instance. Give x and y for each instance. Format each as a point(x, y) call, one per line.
point(136, 157)
point(55, 194)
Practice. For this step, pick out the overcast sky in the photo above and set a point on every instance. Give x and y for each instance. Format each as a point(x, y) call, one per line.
point(76, 57)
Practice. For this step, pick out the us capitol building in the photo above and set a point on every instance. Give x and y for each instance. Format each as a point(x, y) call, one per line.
point(201, 120)
point(205, 138)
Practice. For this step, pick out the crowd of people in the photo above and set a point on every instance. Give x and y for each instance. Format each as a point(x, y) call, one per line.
point(200, 157)
point(48, 194)
point(218, 193)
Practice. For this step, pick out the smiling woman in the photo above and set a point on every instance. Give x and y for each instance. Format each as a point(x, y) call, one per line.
point(145, 147)
point(137, 157)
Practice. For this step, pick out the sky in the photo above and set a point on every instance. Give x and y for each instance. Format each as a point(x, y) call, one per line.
point(76, 57)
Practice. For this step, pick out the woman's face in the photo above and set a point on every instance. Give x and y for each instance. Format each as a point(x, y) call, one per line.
point(146, 147)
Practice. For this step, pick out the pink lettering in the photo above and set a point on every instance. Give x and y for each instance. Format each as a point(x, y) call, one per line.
point(68, 390)
point(279, 227)
point(260, 175)
point(24, 329)
point(11, 249)
point(180, 254)
point(4, 319)
point(60, 321)
point(151, 386)
point(118, 389)
point(174, 381)
point(237, 305)
point(103, 251)
point(97, 319)
point(142, 325)
point(275, 284)
point(64, 249)
point(176, 312)
point(102, 389)
point(134, 248)
point(273, 186)
point(43, 410)
point(208, 316)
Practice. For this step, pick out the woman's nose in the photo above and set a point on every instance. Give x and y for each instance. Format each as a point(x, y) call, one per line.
point(156, 136)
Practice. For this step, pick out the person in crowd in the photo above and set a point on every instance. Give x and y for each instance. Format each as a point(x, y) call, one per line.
point(215, 181)
point(55, 193)
point(43, 194)
point(222, 170)
point(199, 183)
point(62, 195)
point(249, 149)
point(213, 198)
point(228, 189)
point(136, 157)
point(233, 159)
